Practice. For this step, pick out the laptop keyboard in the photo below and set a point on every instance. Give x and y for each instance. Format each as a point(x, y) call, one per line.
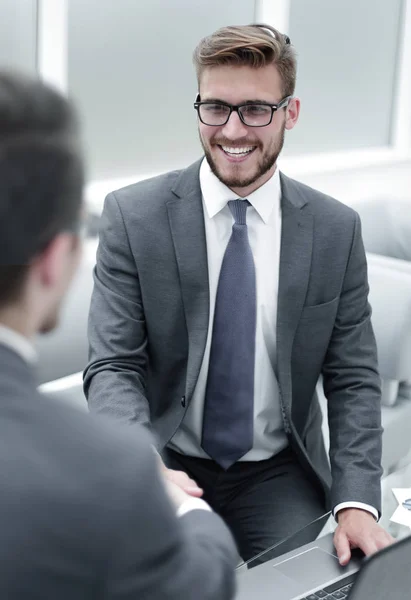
point(336, 591)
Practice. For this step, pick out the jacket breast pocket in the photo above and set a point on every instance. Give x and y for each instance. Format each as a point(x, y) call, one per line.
point(314, 331)
point(326, 310)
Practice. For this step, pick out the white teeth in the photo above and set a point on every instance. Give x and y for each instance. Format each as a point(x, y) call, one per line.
point(237, 150)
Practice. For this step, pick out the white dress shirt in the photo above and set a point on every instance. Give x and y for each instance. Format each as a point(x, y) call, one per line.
point(192, 504)
point(264, 232)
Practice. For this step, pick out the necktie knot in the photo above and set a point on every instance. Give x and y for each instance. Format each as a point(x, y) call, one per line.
point(238, 209)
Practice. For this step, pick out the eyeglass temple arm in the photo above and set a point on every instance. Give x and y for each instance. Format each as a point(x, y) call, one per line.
point(285, 102)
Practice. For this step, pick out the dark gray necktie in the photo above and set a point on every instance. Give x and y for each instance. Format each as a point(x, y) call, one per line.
point(229, 399)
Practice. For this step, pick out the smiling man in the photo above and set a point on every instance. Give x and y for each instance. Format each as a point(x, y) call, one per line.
point(222, 293)
point(242, 150)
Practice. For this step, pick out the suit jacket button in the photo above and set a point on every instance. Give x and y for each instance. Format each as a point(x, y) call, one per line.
point(183, 401)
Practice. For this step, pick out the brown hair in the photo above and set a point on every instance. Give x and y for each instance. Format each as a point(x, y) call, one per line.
point(41, 175)
point(254, 45)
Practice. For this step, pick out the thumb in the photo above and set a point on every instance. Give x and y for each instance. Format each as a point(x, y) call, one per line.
point(342, 545)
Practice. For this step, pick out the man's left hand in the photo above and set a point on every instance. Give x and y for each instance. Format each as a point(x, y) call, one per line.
point(358, 529)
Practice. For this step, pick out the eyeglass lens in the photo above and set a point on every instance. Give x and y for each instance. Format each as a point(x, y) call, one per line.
point(256, 115)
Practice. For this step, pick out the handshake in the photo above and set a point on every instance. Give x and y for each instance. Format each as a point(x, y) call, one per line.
point(179, 486)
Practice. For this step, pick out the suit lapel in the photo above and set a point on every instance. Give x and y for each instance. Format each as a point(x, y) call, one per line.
point(186, 219)
point(295, 266)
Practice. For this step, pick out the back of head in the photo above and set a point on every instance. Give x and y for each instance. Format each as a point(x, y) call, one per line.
point(254, 46)
point(41, 175)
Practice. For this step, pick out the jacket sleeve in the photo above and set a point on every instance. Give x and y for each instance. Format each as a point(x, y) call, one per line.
point(352, 388)
point(114, 379)
point(155, 554)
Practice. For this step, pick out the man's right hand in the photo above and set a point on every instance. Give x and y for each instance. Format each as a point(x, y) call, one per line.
point(179, 478)
point(183, 481)
point(175, 493)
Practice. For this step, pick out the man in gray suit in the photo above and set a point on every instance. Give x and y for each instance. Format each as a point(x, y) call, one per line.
point(84, 508)
point(222, 293)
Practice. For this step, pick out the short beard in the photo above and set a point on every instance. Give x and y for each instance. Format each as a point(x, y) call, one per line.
point(268, 161)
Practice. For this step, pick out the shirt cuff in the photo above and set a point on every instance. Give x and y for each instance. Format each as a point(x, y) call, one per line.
point(361, 505)
point(192, 504)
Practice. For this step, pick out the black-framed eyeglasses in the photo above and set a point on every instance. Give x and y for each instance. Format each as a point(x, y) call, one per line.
point(252, 114)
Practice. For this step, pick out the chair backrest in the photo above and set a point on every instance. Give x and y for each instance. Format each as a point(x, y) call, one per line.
point(390, 299)
point(386, 226)
point(65, 350)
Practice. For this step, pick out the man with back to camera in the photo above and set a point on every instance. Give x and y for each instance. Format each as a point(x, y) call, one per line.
point(222, 292)
point(83, 508)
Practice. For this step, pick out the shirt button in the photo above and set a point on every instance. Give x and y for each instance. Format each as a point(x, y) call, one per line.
point(183, 401)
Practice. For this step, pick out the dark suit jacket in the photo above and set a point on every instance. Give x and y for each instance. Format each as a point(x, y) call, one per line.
point(150, 310)
point(84, 515)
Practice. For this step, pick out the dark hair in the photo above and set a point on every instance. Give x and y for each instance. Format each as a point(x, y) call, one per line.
point(255, 45)
point(41, 175)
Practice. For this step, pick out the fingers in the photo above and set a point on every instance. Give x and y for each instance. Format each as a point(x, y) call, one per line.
point(377, 540)
point(382, 539)
point(189, 485)
point(175, 493)
point(368, 545)
point(194, 491)
point(185, 483)
point(342, 545)
point(369, 540)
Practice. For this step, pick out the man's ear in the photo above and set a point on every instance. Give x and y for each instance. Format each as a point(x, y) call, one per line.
point(292, 114)
point(50, 264)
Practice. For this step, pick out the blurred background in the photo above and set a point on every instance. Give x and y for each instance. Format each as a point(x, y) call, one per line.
point(127, 64)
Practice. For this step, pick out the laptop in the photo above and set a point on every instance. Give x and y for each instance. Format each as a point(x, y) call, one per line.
point(313, 572)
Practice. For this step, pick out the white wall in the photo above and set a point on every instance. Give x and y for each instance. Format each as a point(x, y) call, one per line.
point(67, 52)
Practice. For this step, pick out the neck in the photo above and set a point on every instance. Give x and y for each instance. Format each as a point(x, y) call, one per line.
point(243, 192)
point(18, 321)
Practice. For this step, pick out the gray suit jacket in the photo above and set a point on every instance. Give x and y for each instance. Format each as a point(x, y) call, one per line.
point(84, 514)
point(149, 319)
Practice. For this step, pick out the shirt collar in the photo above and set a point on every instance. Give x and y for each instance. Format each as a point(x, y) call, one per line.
point(17, 342)
point(216, 194)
